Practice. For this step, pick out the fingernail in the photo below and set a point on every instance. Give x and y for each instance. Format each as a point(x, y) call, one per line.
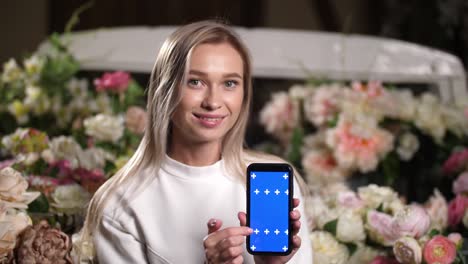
point(250, 230)
point(212, 222)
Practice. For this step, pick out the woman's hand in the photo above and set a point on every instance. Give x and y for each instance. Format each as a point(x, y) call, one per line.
point(295, 217)
point(224, 245)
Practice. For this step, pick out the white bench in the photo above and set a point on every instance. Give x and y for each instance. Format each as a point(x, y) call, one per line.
point(289, 54)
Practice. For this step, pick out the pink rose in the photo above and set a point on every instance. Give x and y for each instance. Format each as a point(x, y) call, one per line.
point(384, 260)
point(456, 210)
point(349, 199)
point(456, 162)
point(456, 238)
point(460, 185)
point(412, 221)
point(116, 82)
point(439, 250)
point(380, 227)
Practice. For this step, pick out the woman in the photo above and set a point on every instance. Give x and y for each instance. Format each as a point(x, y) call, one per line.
point(181, 197)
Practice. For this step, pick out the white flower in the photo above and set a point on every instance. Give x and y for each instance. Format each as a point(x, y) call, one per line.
point(82, 251)
point(437, 209)
point(363, 254)
point(66, 148)
point(78, 88)
point(429, 116)
point(13, 189)
point(94, 158)
point(11, 71)
point(407, 250)
point(465, 219)
point(33, 67)
point(374, 196)
point(350, 227)
point(455, 120)
point(327, 250)
point(104, 127)
point(19, 111)
point(405, 104)
point(70, 198)
point(319, 213)
point(408, 144)
point(299, 91)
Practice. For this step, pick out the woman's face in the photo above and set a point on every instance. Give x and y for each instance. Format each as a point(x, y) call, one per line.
point(212, 95)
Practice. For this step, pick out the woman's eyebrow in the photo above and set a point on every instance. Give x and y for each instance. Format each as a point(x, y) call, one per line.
point(227, 75)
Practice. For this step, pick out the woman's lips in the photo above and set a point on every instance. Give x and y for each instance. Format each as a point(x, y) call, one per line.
point(209, 120)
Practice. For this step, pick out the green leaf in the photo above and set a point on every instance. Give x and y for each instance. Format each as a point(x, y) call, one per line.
point(434, 232)
point(331, 226)
point(351, 248)
point(40, 205)
point(380, 208)
point(391, 168)
point(75, 18)
point(294, 154)
point(461, 257)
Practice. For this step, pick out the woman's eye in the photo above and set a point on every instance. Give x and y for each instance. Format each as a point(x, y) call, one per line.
point(231, 84)
point(194, 82)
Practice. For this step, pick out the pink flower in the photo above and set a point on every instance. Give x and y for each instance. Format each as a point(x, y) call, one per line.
point(384, 260)
point(380, 228)
point(437, 209)
point(372, 89)
point(6, 163)
point(280, 116)
point(321, 167)
point(456, 238)
point(116, 82)
point(322, 105)
point(412, 221)
point(456, 162)
point(136, 119)
point(456, 210)
point(439, 250)
point(349, 199)
point(460, 185)
point(358, 145)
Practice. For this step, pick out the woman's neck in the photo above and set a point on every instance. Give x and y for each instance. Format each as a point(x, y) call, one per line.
point(202, 154)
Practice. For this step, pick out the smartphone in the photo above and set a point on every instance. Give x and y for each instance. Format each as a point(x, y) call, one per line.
point(269, 203)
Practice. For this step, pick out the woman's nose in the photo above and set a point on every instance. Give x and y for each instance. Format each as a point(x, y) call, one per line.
point(211, 100)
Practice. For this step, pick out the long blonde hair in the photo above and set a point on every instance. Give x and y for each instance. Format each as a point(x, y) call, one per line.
point(163, 96)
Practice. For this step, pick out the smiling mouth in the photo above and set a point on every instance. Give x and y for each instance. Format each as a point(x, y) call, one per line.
point(209, 118)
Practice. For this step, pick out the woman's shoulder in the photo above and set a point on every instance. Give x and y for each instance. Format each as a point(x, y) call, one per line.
point(254, 156)
point(123, 199)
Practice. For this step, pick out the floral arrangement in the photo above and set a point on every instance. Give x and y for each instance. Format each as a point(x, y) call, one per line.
point(335, 130)
point(374, 225)
point(61, 138)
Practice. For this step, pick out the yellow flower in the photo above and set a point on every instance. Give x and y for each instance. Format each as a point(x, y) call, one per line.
point(19, 111)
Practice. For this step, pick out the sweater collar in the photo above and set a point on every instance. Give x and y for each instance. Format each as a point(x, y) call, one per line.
point(180, 169)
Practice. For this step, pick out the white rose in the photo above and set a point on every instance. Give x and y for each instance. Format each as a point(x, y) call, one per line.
point(408, 144)
point(373, 195)
point(94, 158)
point(465, 219)
point(437, 209)
point(363, 254)
point(350, 227)
point(66, 148)
point(327, 250)
point(12, 185)
point(104, 127)
point(70, 198)
point(33, 66)
point(11, 71)
point(429, 116)
point(82, 251)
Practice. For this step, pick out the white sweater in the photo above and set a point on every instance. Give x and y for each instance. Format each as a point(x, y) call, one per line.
point(166, 221)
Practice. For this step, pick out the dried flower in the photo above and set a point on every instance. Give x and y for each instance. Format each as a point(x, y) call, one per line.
point(43, 244)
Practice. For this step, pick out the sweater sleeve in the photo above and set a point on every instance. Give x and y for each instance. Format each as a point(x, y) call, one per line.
point(115, 245)
point(304, 254)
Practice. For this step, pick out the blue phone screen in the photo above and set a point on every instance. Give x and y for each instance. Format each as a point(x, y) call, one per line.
point(269, 211)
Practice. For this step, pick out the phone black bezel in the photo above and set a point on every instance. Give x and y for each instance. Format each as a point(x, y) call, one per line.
point(271, 167)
